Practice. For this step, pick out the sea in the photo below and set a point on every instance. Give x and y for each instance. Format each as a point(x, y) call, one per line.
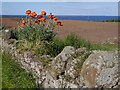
point(68, 17)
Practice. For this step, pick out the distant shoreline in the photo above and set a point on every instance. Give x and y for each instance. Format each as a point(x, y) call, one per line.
point(70, 17)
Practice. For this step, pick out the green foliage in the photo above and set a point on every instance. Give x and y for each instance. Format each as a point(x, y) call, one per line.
point(13, 76)
point(106, 47)
point(47, 43)
point(45, 60)
point(55, 46)
point(73, 40)
point(33, 34)
point(34, 37)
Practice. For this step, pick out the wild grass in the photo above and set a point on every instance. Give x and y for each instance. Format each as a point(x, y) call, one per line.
point(57, 45)
point(13, 76)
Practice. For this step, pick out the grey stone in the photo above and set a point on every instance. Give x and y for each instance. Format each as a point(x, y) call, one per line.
point(100, 69)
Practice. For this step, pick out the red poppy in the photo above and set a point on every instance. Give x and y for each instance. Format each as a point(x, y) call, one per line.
point(55, 18)
point(51, 16)
point(23, 21)
point(22, 24)
point(36, 21)
point(42, 19)
point(33, 14)
point(40, 16)
point(43, 13)
point(59, 23)
point(28, 12)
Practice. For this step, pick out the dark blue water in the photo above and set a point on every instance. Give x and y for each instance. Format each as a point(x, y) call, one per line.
point(83, 18)
point(89, 18)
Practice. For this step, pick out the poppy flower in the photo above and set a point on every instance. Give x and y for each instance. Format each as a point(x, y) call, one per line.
point(22, 24)
point(33, 14)
point(36, 21)
point(40, 16)
point(55, 18)
point(23, 21)
point(43, 13)
point(42, 19)
point(51, 16)
point(59, 23)
point(28, 12)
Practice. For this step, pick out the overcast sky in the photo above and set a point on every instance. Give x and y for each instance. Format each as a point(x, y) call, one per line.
point(62, 8)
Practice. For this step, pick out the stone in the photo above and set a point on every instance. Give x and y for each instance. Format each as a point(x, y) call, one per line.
point(60, 61)
point(100, 70)
point(6, 34)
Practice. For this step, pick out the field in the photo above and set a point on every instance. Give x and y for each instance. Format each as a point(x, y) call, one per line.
point(93, 31)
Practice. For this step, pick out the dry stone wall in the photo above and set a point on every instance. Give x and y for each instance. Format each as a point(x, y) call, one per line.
point(67, 70)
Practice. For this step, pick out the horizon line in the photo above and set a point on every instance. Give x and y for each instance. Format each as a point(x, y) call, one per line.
point(61, 15)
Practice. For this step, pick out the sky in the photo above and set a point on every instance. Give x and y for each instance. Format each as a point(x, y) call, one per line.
point(62, 8)
point(60, 0)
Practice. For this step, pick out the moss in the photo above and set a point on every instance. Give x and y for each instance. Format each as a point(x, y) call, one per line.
point(45, 61)
point(79, 65)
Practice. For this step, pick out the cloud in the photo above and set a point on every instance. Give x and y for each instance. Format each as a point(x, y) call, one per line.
point(60, 0)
